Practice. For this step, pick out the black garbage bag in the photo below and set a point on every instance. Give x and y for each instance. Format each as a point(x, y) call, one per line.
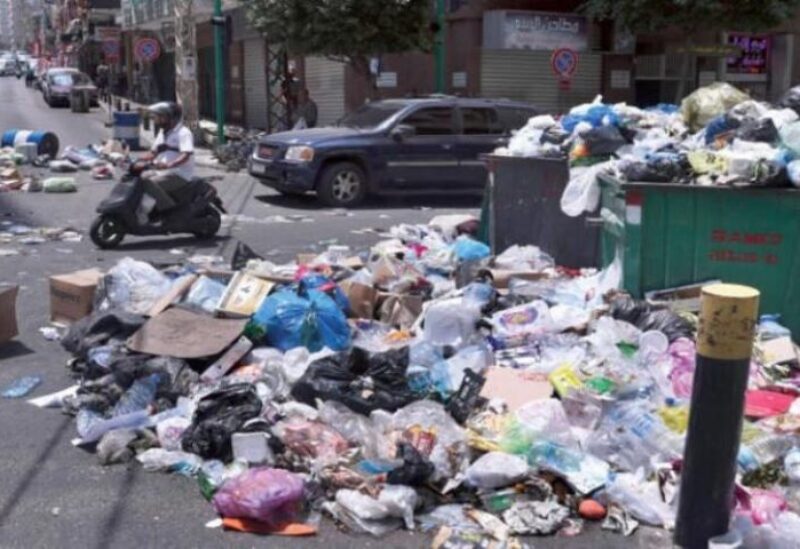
point(361, 381)
point(218, 416)
point(763, 130)
point(791, 99)
point(415, 470)
point(644, 317)
point(99, 329)
point(603, 140)
point(242, 255)
point(555, 135)
point(770, 174)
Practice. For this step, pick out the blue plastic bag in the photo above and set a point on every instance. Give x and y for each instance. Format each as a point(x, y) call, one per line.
point(598, 115)
point(303, 318)
point(467, 249)
point(316, 281)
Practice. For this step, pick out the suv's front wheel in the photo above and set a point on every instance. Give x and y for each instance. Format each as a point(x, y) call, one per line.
point(342, 185)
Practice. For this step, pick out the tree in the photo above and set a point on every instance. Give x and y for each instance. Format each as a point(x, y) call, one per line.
point(692, 16)
point(351, 31)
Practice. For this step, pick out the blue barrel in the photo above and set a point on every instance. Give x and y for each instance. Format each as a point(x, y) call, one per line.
point(46, 142)
point(126, 128)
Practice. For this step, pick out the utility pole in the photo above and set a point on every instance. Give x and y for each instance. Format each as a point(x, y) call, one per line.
point(186, 62)
point(439, 48)
point(219, 78)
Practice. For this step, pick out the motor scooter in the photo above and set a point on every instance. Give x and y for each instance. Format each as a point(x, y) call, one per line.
point(198, 211)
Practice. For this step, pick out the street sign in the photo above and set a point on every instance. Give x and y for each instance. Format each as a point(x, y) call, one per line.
point(564, 63)
point(111, 49)
point(146, 49)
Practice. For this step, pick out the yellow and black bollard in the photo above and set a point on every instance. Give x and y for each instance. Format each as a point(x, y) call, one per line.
point(728, 316)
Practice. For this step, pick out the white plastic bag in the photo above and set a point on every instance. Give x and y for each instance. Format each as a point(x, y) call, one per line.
point(451, 322)
point(496, 470)
point(641, 499)
point(582, 193)
point(135, 286)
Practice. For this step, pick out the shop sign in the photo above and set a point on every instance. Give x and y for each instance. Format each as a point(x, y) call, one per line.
point(752, 56)
point(530, 30)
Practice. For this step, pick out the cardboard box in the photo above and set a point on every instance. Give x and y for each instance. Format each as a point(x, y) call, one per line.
point(8, 314)
point(72, 295)
point(399, 310)
point(243, 295)
point(362, 299)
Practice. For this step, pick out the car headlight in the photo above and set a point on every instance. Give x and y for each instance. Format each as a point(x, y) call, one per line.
point(300, 154)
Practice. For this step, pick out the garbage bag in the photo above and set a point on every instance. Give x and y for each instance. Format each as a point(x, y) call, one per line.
point(496, 470)
point(303, 318)
point(791, 99)
point(790, 137)
point(415, 470)
point(98, 329)
point(218, 416)
point(706, 103)
point(658, 168)
point(135, 286)
point(642, 315)
point(312, 439)
point(582, 193)
point(768, 173)
point(793, 171)
point(763, 130)
point(59, 185)
point(468, 249)
point(604, 140)
point(316, 281)
point(720, 126)
point(270, 496)
point(361, 381)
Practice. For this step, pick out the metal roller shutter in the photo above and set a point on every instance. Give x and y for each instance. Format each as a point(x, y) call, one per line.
point(325, 83)
point(255, 83)
point(527, 76)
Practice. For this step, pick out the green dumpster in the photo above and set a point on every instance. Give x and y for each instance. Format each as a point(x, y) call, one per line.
point(673, 235)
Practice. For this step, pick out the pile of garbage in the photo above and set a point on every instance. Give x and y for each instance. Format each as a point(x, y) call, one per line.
point(717, 137)
point(424, 384)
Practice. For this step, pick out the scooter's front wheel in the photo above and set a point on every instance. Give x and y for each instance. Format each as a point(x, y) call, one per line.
point(107, 232)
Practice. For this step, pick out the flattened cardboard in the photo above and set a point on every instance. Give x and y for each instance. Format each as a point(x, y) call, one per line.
point(501, 278)
point(779, 351)
point(180, 333)
point(8, 314)
point(72, 295)
point(362, 299)
point(399, 310)
point(515, 387)
point(243, 295)
point(174, 295)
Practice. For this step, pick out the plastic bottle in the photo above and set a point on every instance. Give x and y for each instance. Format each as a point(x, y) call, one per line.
point(764, 450)
point(138, 397)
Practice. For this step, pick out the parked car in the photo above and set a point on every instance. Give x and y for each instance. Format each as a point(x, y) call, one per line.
point(57, 86)
point(7, 66)
point(398, 146)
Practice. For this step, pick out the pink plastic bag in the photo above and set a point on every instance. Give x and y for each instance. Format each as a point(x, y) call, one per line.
point(682, 353)
point(271, 496)
point(762, 506)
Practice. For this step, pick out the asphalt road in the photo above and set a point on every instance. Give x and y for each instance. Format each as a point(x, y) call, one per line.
point(55, 495)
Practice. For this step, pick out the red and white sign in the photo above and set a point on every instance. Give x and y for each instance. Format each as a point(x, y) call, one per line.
point(146, 49)
point(564, 63)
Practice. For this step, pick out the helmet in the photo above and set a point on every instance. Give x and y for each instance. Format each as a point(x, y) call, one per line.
point(166, 115)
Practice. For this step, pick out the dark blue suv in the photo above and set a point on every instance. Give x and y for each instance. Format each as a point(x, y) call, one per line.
point(398, 146)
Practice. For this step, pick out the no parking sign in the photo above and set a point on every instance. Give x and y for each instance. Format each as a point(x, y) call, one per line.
point(564, 63)
point(146, 49)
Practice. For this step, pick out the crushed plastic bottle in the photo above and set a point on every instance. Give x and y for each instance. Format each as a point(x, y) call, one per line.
point(21, 387)
point(765, 450)
point(138, 397)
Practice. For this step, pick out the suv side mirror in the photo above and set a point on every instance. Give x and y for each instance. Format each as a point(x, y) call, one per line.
point(402, 131)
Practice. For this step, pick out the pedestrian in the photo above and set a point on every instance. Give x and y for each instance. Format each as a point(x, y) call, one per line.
point(306, 111)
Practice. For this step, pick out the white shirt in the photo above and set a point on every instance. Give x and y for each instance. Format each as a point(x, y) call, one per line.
point(179, 140)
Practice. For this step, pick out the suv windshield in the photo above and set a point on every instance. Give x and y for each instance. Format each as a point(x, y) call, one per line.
point(370, 116)
point(69, 79)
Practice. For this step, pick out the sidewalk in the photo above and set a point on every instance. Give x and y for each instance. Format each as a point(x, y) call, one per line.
point(204, 158)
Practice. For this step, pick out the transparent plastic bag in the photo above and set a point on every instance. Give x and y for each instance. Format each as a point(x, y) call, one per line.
point(522, 258)
point(451, 322)
point(135, 286)
point(205, 294)
point(582, 193)
point(158, 459)
point(641, 498)
point(496, 470)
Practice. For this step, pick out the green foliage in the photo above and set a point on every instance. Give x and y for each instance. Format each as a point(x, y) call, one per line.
point(344, 29)
point(693, 15)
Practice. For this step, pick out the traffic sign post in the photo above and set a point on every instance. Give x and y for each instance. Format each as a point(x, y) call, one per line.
point(564, 63)
point(147, 49)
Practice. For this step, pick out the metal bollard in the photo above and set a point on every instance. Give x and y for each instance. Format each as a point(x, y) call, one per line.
point(728, 316)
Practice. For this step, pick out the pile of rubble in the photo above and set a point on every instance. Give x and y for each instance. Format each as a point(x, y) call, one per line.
point(424, 384)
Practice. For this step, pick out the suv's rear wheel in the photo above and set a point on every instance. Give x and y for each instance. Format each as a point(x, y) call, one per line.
point(342, 185)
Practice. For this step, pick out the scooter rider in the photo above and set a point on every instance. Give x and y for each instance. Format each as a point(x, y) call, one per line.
point(172, 158)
